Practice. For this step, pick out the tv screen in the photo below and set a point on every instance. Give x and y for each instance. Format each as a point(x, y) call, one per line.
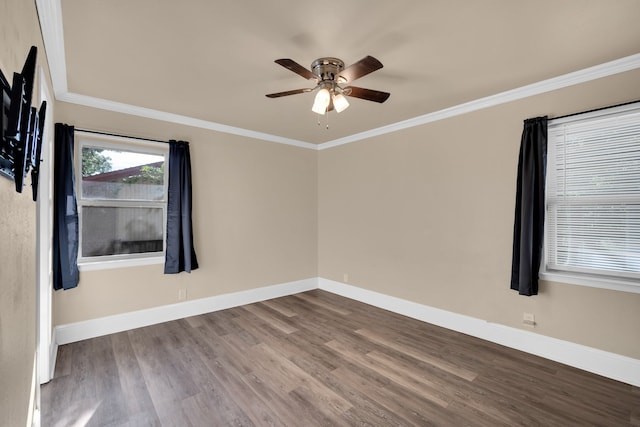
point(11, 138)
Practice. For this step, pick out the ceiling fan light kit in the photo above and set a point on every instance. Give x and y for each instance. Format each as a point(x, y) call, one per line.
point(321, 103)
point(329, 74)
point(340, 102)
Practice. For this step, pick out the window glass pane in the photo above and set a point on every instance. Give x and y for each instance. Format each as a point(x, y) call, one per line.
point(121, 175)
point(121, 230)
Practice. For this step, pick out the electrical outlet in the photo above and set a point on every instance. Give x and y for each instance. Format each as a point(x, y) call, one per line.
point(345, 278)
point(182, 294)
point(528, 319)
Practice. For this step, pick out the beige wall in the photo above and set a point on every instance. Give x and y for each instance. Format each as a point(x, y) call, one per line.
point(255, 220)
point(403, 214)
point(19, 31)
point(426, 214)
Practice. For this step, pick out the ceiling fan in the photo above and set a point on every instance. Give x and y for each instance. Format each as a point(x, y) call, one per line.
point(330, 75)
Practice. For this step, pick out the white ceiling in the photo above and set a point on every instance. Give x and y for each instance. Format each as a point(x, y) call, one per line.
point(212, 61)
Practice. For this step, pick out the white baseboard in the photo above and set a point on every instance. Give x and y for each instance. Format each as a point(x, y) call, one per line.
point(53, 355)
point(79, 331)
point(610, 365)
point(33, 414)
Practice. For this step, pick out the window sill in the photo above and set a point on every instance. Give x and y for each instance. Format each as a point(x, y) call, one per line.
point(120, 263)
point(591, 281)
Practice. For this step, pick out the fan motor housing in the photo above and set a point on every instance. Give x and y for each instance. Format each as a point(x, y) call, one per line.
point(327, 68)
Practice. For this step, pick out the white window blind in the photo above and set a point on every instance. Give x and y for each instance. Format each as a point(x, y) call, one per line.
point(593, 196)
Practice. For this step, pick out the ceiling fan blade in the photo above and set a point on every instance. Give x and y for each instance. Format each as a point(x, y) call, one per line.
point(288, 92)
point(361, 68)
point(368, 94)
point(292, 65)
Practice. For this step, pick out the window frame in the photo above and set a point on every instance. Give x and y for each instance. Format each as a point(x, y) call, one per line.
point(571, 275)
point(118, 143)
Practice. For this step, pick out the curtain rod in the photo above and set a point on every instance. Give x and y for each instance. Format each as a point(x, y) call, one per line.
point(595, 109)
point(120, 136)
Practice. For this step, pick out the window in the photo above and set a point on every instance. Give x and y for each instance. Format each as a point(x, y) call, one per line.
point(121, 199)
point(592, 232)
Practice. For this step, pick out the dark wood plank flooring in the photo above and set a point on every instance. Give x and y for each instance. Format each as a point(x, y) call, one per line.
point(317, 359)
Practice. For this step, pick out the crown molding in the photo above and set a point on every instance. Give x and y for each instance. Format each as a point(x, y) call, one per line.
point(50, 14)
point(119, 107)
point(582, 76)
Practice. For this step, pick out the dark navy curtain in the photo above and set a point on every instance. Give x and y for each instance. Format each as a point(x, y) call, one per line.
point(180, 253)
point(528, 229)
point(65, 211)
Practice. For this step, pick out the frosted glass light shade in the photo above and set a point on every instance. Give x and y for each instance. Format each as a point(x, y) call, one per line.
point(321, 102)
point(340, 102)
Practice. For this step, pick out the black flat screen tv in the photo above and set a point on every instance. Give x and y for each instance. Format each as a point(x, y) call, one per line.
point(20, 126)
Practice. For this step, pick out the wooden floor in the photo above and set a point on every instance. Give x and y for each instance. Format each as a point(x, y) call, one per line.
point(319, 359)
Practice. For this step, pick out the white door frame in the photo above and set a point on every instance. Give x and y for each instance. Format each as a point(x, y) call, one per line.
point(44, 228)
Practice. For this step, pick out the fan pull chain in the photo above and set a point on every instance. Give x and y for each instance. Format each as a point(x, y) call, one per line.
point(327, 116)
